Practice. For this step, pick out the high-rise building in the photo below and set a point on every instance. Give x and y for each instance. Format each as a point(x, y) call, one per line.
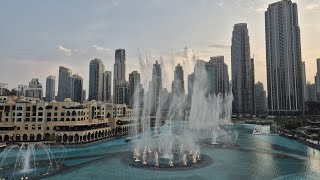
point(317, 81)
point(76, 88)
point(178, 82)
point(22, 90)
point(34, 89)
point(242, 72)
point(64, 86)
point(190, 83)
point(123, 90)
point(311, 92)
point(96, 72)
point(222, 84)
point(107, 80)
point(211, 70)
point(304, 81)
point(50, 88)
point(84, 95)
point(260, 98)
point(156, 87)
point(134, 87)
point(283, 59)
point(3, 89)
point(119, 76)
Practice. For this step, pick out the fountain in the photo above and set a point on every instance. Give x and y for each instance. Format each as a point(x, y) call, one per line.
point(28, 160)
point(210, 114)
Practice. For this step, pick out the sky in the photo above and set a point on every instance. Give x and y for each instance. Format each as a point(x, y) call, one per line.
point(36, 36)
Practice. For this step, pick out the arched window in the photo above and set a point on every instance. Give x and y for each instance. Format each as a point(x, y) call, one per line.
point(74, 113)
point(48, 128)
point(68, 113)
point(40, 109)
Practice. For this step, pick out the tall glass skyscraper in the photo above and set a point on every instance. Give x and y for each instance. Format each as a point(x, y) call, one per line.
point(242, 69)
point(119, 76)
point(50, 88)
point(283, 58)
point(96, 80)
point(64, 86)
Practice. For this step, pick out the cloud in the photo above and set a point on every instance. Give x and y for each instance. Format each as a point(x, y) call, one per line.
point(64, 50)
point(101, 49)
point(220, 3)
point(219, 46)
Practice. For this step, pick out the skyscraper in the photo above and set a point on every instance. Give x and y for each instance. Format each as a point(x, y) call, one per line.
point(260, 97)
point(50, 88)
point(190, 83)
point(64, 86)
point(34, 89)
point(123, 90)
point(178, 82)
point(134, 87)
point(222, 84)
point(156, 87)
point(211, 70)
point(119, 76)
point(317, 81)
point(76, 88)
point(96, 80)
point(283, 59)
point(242, 68)
point(107, 80)
point(311, 92)
point(304, 81)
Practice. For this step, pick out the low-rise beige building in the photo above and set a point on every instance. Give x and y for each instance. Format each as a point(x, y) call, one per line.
point(64, 122)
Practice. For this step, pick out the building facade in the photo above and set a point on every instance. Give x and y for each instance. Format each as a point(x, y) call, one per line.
point(96, 74)
point(107, 84)
point(119, 73)
point(134, 87)
point(155, 87)
point(242, 69)
point(34, 89)
point(64, 122)
point(177, 87)
point(50, 88)
point(283, 59)
point(222, 84)
point(76, 88)
point(64, 85)
point(260, 97)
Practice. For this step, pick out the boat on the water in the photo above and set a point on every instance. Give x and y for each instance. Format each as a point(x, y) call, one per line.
point(3, 145)
point(257, 130)
point(127, 139)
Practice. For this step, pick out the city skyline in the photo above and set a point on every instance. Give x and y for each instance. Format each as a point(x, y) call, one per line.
point(51, 49)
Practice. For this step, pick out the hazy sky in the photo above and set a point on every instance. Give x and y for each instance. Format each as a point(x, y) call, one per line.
point(37, 36)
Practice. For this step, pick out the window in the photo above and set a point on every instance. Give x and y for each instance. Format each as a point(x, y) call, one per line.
point(18, 128)
point(48, 119)
point(62, 119)
point(55, 108)
point(48, 128)
point(19, 108)
point(28, 108)
point(55, 119)
point(62, 114)
point(39, 127)
point(27, 119)
point(39, 119)
point(26, 128)
point(55, 114)
point(49, 114)
point(33, 128)
point(33, 119)
point(40, 109)
point(40, 113)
